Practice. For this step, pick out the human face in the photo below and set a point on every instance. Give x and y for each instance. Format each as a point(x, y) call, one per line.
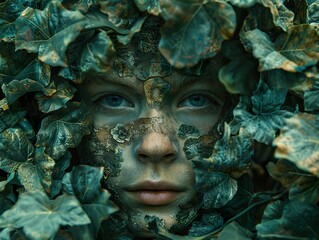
point(139, 139)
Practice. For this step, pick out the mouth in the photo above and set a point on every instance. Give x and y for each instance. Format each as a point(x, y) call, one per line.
point(154, 193)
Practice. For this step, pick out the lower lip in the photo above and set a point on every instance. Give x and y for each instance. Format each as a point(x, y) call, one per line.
point(155, 198)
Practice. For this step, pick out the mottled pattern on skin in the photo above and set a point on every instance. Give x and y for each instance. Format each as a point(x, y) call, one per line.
point(100, 149)
point(156, 92)
point(187, 213)
point(185, 131)
point(130, 60)
point(201, 147)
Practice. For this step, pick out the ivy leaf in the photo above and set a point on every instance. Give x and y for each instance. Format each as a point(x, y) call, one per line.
point(311, 98)
point(235, 231)
point(97, 53)
point(59, 169)
point(213, 21)
point(83, 182)
point(26, 126)
point(261, 115)
point(3, 184)
point(312, 13)
point(9, 11)
point(55, 23)
point(151, 6)
point(302, 186)
point(298, 142)
point(37, 71)
point(15, 148)
point(282, 16)
point(63, 93)
point(10, 118)
point(40, 217)
point(15, 89)
point(210, 221)
point(236, 77)
point(278, 78)
point(232, 154)
point(64, 129)
point(291, 220)
point(218, 188)
point(290, 52)
point(125, 39)
point(29, 177)
point(32, 78)
point(244, 3)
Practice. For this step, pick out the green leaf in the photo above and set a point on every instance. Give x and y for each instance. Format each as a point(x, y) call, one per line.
point(210, 221)
point(29, 177)
point(232, 154)
point(218, 188)
point(261, 115)
point(10, 118)
point(290, 52)
point(15, 148)
point(97, 53)
point(151, 6)
point(26, 126)
point(15, 89)
point(298, 142)
point(59, 169)
point(282, 16)
point(244, 3)
point(40, 217)
point(125, 39)
point(83, 182)
point(4, 183)
point(301, 185)
point(37, 71)
point(213, 22)
point(235, 231)
point(98, 211)
point(238, 78)
point(312, 13)
point(291, 220)
point(278, 78)
point(9, 11)
point(41, 31)
point(311, 98)
point(63, 93)
point(64, 129)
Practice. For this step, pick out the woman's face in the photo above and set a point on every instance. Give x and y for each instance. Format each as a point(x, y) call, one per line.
point(140, 130)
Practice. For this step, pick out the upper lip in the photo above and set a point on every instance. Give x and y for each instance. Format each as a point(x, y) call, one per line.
point(154, 186)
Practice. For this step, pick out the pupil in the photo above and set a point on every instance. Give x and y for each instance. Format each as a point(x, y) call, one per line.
point(114, 100)
point(197, 100)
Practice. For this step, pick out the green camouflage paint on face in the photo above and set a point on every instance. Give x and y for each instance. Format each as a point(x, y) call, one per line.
point(185, 131)
point(156, 92)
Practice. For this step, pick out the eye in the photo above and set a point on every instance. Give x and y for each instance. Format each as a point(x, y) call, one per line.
point(197, 100)
point(114, 101)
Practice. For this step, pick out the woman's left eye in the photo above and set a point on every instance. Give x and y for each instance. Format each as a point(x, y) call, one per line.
point(197, 100)
point(114, 101)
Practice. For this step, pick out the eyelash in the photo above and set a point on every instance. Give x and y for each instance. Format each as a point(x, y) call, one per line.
point(207, 100)
point(114, 97)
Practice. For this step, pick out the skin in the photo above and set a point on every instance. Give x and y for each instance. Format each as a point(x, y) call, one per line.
point(153, 111)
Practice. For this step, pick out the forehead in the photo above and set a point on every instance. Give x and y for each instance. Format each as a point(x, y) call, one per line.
point(177, 79)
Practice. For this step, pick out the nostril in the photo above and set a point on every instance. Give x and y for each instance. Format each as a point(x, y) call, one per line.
point(143, 157)
point(169, 157)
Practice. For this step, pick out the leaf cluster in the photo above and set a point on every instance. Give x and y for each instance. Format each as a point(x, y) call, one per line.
point(271, 53)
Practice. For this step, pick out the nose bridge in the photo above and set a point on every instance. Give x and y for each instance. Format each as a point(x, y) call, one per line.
point(159, 143)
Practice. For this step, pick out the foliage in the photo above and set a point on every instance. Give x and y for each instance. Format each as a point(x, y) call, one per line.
point(271, 52)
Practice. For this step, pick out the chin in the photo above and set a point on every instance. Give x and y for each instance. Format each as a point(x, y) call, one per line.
point(138, 225)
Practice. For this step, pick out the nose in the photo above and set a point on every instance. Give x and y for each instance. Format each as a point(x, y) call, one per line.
point(156, 147)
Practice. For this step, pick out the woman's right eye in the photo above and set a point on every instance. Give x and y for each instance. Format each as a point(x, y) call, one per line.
point(114, 101)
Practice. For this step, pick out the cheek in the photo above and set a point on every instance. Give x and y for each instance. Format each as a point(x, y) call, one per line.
point(100, 149)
